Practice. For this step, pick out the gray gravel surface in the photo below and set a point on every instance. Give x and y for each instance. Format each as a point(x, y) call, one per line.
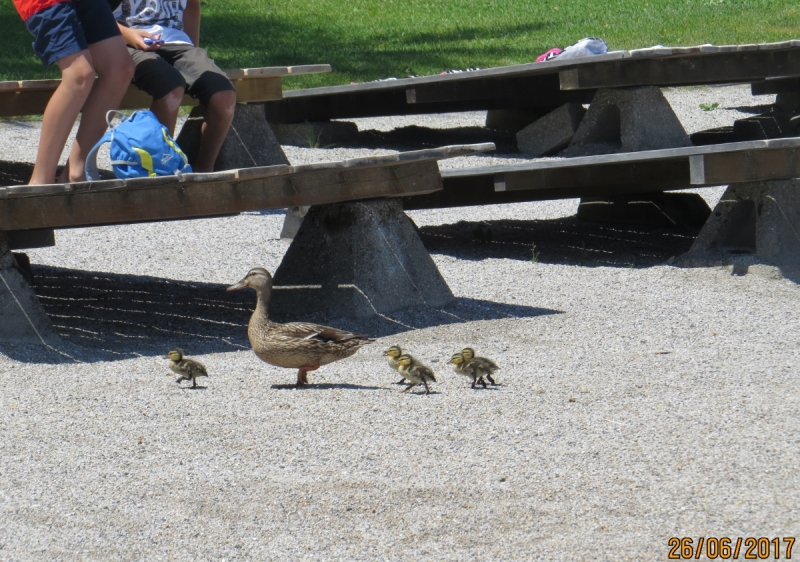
point(636, 401)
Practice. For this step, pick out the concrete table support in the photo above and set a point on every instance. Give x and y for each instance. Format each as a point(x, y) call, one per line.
point(631, 120)
point(753, 225)
point(357, 259)
point(22, 319)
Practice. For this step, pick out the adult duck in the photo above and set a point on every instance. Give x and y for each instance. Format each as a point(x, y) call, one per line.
point(297, 345)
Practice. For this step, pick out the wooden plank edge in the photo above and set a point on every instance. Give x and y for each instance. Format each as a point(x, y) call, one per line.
point(632, 157)
point(440, 153)
point(511, 71)
point(233, 74)
point(225, 176)
point(244, 73)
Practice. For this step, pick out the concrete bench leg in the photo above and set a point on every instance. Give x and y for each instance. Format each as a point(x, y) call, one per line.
point(357, 259)
point(22, 319)
point(627, 120)
point(633, 120)
point(250, 143)
point(754, 227)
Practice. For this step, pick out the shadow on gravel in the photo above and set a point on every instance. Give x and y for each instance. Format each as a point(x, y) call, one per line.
point(754, 109)
point(566, 240)
point(325, 386)
point(107, 317)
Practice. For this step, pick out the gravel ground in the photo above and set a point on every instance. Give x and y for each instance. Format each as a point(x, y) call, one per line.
point(636, 401)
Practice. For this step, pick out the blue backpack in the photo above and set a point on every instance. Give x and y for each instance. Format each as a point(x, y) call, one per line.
point(140, 147)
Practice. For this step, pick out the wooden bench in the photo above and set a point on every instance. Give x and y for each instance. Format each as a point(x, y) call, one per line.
point(30, 97)
point(540, 85)
point(616, 174)
point(34, 207)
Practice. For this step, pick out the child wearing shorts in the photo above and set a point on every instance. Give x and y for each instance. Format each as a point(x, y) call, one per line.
point(82, 38)
point(163, 38)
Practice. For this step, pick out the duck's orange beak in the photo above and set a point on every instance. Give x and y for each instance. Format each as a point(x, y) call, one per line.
point(240, 285)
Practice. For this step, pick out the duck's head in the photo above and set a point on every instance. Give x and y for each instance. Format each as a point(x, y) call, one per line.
point(257, 278)
point(468, 353)
point(457, 359)
point(393, 351)
point(404, 360)
point(175, 354)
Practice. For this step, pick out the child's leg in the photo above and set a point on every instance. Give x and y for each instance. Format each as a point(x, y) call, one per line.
point(218, 118)
point(212, 88)
point(77, 77)
point(114, 69)
point(166, 108)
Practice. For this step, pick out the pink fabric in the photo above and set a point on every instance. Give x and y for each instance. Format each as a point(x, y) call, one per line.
point(552, 53)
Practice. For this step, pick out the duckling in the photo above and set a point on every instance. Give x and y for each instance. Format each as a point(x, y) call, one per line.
point(188, 369)
point(487, 365)
point(393, 353)
point(296, 345)
point(416, 373)
point(470, 369)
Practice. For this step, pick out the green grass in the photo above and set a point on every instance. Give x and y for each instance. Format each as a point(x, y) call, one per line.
point(368, 39)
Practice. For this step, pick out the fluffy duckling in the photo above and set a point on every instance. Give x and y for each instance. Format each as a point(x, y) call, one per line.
point(468, 368)
point(188, 369)
point(487, 365)
point(296, 345)
point(416, 373)
point(393, 354)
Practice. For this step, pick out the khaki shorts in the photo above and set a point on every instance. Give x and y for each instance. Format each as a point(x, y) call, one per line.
point(173, 66)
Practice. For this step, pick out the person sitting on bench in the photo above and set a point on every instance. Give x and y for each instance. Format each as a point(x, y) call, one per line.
point(82, 39)
point(163, 39)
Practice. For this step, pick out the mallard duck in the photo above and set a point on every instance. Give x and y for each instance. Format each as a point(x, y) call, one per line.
point(392, 354)
point(188, 369)
point(487, 365)
point(415, 373)
point(296, 345)
point(471, 369)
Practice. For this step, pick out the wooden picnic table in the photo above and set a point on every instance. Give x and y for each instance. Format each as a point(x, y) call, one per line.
point(540, 85)
point(30, 97)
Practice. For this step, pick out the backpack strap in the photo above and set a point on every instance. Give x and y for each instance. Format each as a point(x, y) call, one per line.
point(90, 168)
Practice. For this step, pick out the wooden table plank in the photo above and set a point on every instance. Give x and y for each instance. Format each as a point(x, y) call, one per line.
point(660, 170)
point(533, 85)
point(615, 174)
point(745, 166)
point(223, 193)
point(713, 68)
point(253, 85)
point(542, 90)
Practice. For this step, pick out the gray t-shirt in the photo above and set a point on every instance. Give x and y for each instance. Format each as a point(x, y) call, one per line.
point(159, 17)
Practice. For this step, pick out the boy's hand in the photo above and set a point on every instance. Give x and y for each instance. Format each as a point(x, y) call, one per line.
point(135, 38)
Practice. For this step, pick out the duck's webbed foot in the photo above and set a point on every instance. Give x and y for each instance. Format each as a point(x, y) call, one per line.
point(409, 387)
point(180, 380)
point(401, 381)
point(491, 380)
point(483, 382)
point(427, 390)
